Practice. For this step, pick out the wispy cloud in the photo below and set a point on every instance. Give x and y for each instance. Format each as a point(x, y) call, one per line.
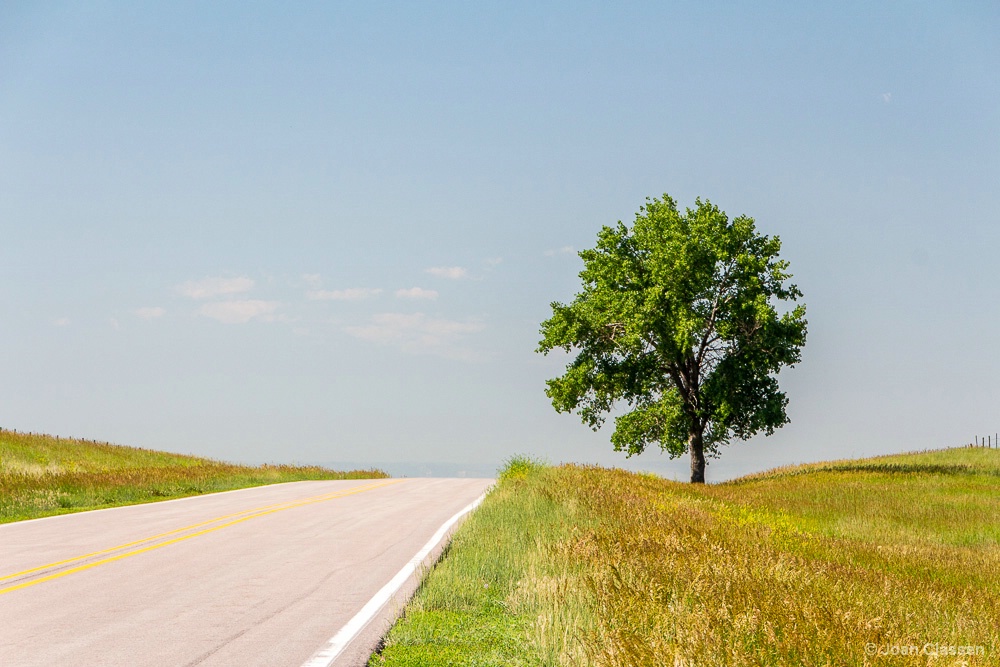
point(416, 293)
point(449, 272)
point(150, 313)
point(61, 322)
point(312, 279)
point(565, 250)
point(240, 311)
point(208, 288)
point(419, 333)
point(887, 98)
point(350, 294)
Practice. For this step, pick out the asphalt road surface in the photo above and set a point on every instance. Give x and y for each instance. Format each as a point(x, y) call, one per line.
point(264, 576)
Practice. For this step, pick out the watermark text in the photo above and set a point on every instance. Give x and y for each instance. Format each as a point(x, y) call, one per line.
point(932, 649)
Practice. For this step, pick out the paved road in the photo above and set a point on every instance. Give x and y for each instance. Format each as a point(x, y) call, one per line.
point(261, 576)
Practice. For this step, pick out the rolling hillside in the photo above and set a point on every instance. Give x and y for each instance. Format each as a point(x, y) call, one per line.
point(883, 561)
point(41, 475)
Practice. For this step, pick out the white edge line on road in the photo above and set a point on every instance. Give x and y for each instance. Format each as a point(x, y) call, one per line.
point(335, 646)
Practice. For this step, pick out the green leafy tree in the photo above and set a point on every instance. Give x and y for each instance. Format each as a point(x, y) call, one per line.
point(677, 321)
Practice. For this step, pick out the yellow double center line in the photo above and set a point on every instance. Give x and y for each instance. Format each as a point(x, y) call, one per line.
point(150, 543)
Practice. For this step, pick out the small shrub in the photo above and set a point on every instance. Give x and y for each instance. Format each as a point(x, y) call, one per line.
point(520, 467)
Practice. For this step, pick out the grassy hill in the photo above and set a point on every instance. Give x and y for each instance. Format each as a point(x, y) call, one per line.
point(42, 475)
point(885, 561)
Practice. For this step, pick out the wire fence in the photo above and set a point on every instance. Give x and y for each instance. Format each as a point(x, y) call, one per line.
point(990, 441)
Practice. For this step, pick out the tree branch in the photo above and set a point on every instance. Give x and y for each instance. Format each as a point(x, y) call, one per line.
point(724, 286)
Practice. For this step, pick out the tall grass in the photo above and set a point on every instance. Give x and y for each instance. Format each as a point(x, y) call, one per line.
point(819, 565)
point(42, 475)
point(480, 605)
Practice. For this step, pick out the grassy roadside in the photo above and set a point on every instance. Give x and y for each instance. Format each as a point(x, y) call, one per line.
point(41, 475)
point(828, 564)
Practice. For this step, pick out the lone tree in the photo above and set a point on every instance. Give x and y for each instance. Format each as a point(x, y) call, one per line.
point(677, 320)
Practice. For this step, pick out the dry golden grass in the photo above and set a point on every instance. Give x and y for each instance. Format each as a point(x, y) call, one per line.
point(823, 565)
point(41, 475)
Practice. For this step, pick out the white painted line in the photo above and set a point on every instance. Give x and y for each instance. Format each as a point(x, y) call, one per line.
point(336, 645)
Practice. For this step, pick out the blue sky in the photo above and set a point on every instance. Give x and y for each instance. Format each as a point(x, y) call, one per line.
point(329, 232)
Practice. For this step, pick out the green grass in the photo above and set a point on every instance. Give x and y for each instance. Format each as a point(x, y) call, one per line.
point(805, 565)
point(41, 475)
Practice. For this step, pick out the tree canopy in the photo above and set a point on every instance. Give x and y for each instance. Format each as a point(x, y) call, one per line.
point(678, 320)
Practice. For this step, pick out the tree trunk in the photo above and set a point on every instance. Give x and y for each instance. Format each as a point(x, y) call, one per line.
point(695, 446)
